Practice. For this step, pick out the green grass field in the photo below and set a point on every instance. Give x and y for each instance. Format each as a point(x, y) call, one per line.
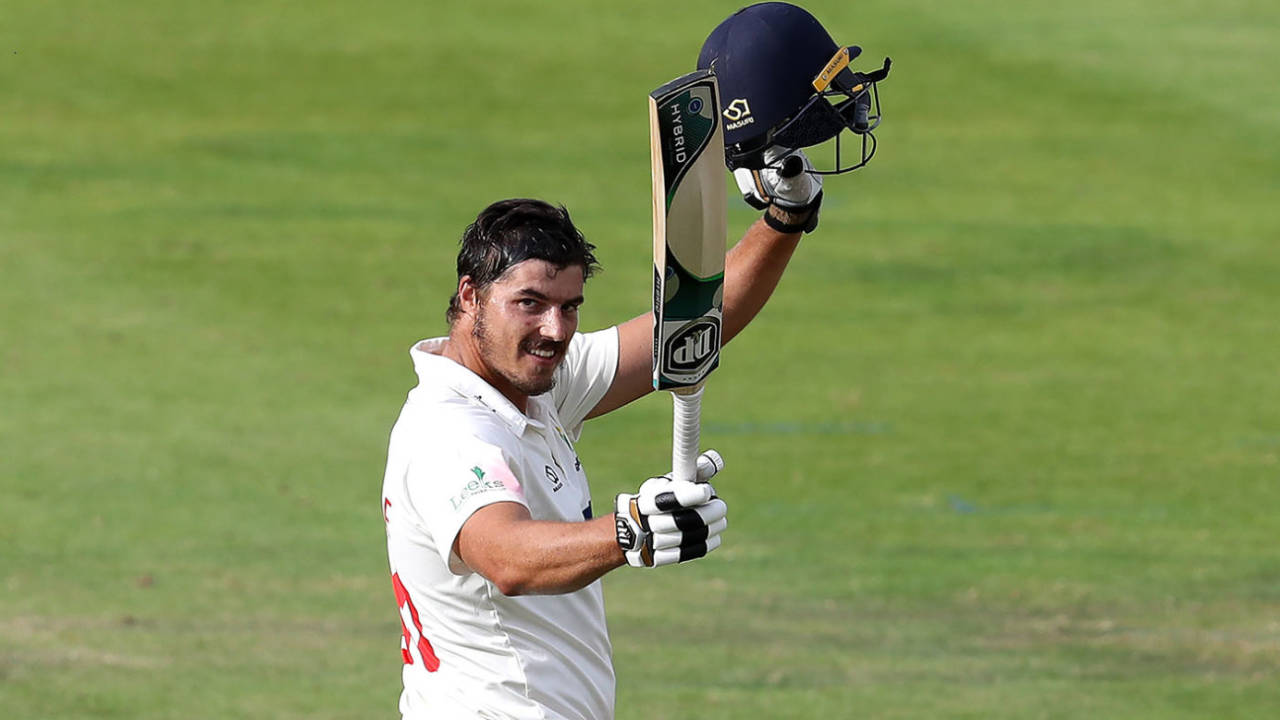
point(1006, 444)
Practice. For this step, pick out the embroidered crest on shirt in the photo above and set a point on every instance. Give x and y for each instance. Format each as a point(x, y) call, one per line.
point(556, 483)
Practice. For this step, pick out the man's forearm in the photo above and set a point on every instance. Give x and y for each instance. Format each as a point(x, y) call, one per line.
point(752, 270)
point(522, 556)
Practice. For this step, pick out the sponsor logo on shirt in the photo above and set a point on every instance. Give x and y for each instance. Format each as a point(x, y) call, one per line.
point(475, 487)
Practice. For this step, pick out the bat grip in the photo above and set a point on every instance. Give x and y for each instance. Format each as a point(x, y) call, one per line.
point(686, 431)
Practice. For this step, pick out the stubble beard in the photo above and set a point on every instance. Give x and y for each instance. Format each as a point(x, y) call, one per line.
point(489, 350)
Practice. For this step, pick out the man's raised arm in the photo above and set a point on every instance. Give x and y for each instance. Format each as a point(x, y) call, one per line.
point(751, 272)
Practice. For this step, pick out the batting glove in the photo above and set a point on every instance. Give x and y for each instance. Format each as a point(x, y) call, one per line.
point(672, 521)
point(787, 182)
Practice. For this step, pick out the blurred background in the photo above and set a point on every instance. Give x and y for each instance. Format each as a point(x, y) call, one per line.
point(1004, 445)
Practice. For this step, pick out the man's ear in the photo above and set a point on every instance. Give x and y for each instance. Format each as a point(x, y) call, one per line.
point(468, 295)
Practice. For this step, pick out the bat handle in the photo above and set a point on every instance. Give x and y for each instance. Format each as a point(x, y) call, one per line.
point(686, 432)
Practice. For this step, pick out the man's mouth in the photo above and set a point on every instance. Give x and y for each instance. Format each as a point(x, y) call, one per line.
point(544, 352)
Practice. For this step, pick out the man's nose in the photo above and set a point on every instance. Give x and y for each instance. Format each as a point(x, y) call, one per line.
point(557, 325)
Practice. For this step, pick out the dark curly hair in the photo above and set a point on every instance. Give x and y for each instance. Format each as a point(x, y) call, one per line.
point(509, 232)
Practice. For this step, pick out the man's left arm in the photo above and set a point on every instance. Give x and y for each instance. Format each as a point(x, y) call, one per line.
point(752, 270)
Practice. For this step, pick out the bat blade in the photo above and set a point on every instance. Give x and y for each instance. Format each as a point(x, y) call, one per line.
point(689, 221)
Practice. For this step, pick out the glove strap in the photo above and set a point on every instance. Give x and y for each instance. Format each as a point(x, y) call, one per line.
point(632, 529)
point(782, 227)
point(807, 225)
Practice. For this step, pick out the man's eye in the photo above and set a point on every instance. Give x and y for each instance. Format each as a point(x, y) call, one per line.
point(527, 302)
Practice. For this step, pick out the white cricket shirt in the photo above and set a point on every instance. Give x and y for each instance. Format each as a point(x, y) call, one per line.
point(458, 445)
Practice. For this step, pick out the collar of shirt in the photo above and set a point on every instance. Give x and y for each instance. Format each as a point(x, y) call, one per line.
point(436, 370)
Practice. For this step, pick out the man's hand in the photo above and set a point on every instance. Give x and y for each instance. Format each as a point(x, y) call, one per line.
point(669, 521)
point(785, 181)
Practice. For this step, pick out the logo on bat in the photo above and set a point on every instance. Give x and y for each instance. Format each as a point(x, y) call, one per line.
point(693, 345)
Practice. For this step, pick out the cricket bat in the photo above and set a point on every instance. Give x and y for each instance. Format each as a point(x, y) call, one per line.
point(689, 219)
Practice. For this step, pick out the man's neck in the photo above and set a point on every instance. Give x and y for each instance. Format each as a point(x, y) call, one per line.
point(461, 348)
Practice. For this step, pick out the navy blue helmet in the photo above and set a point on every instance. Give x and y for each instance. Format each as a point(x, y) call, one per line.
point(784, 81)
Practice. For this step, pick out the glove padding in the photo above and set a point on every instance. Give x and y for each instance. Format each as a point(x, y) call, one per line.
point(762, 188)
point(671, 521)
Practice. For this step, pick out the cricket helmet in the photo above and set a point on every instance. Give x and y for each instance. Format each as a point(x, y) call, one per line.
point(784, 81)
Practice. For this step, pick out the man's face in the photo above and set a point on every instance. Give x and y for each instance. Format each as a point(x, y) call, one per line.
point(524, 321)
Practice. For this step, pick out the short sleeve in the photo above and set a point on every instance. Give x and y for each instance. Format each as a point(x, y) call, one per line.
point(585, 375)
point(451, 482)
